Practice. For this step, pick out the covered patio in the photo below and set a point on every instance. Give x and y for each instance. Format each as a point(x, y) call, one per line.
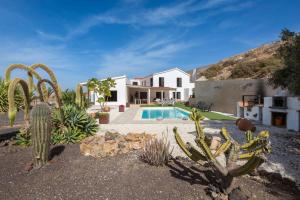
point(137, 94)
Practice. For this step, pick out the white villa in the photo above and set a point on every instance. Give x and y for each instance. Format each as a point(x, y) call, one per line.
point(170, 84)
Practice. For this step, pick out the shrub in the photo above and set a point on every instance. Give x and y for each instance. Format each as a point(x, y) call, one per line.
point(68, 97)
point(4, 99)
point(75, 126)
point(23, 137)
point(156, 151)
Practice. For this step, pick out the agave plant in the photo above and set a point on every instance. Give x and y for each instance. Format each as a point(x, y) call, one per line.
point(75, 126)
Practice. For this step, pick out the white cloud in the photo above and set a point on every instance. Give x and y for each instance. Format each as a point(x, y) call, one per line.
point(175, 14)
point(145, 55)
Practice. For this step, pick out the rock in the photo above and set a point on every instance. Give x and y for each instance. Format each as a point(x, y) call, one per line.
point(110, 147)
point(111, 135)
point(237, 194)
point(112, 143)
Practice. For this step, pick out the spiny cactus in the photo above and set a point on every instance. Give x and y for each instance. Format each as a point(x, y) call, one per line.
point(79, 96)
point(58, 99)
point(30, 81)
point(12, 110)
point(253, 150)
point(40, 126)
point(49, 72)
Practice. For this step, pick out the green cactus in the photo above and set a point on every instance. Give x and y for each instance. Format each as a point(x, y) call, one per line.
point(55, 89)
point(79, 96)
point(40, 126)
point(12, 110)
point(49, 72)
point(30, 81)
point(253, 150)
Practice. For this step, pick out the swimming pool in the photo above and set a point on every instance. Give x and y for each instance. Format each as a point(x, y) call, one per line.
point(164, 113)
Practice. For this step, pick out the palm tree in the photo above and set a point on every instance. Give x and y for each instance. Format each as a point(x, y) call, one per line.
point(92, 84)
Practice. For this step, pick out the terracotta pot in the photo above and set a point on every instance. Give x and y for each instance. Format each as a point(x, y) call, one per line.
point(278, 121)
point(245, 125)
point(104, 119)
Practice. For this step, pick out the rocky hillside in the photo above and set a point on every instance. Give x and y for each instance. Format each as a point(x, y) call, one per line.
point(255, 63)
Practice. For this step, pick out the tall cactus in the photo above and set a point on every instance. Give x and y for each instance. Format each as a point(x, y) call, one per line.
point(253, 151)
point(40, 125)
point(49, 72)
point(30, 81)
point(12, 110)
point(79, 96)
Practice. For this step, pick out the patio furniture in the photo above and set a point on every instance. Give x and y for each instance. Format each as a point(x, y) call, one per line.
point(167, 102)
point(204, 106)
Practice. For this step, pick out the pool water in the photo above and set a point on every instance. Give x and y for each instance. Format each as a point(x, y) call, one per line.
point(170, 113)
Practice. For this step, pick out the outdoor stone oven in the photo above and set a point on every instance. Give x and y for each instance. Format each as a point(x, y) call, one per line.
point(282, 111)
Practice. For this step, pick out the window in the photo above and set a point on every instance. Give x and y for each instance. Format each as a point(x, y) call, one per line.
point(114, 96)
point(174, 95)
point(134, 83)
point(161, 82)
point(179, 82)
point(151, 82)
point(158, 95)
point(178, 95)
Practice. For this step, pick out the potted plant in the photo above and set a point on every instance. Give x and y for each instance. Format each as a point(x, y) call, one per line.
point(103, 90)
point(103, 117)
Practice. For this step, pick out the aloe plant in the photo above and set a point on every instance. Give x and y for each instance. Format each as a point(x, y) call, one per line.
point(253, 151)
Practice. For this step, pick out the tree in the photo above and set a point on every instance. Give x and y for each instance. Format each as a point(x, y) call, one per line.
point(104, 87)
point(289, 76)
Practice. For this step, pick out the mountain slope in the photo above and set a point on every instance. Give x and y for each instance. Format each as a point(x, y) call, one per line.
point(255, 63)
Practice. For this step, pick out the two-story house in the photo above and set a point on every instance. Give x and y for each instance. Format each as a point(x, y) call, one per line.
point(170, 84)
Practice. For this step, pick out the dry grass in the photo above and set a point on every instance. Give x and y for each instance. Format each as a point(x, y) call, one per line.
point(156, 151)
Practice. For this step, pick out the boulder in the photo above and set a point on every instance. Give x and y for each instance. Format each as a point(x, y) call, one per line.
point(112, 143)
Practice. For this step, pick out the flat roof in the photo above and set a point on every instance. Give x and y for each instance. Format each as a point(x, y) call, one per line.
point(148, 87)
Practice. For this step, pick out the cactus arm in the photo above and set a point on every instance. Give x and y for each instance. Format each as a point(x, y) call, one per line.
point(12, 110)
point(210, 158)
point(49, 72)
point(225, 134)
point(249, 136)
point(259, 140)
point(223, 148)
point(250, 154)
point(30, 71)
point(188, 149)
point(252, 163)
point(39, 86)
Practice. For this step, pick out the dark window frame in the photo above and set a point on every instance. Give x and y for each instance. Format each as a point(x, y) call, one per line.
point(151, 82)
point(179, 82)
point(113, 98)
point(178, 95)
point(161, 82)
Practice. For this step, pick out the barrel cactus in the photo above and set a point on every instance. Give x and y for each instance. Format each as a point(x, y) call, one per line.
point(41, 125)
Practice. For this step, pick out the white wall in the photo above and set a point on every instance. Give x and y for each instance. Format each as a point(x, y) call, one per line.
point(170, 80)
point(293, 116)
point(121, 89)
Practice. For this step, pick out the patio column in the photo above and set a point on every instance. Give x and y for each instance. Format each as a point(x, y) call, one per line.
point(148, 98)
point(162, 94)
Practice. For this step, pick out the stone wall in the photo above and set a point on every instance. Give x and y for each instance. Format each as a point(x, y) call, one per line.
point(225, 94)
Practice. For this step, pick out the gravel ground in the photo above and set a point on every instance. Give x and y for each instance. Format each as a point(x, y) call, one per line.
point(70, 175)
point(284, 158)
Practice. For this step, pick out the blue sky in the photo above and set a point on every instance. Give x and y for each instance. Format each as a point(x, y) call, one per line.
point(81, 39)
